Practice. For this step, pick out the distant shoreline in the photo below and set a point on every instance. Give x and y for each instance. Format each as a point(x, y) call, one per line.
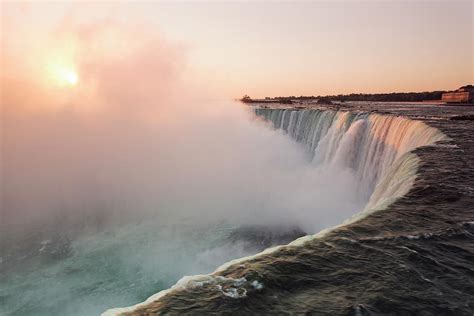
point(462, 96)
point(312, 103)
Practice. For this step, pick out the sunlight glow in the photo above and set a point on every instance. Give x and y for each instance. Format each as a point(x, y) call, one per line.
point(68, 76)
point(63, 75)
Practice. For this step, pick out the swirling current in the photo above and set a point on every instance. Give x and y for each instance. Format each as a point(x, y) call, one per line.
point(409, 252)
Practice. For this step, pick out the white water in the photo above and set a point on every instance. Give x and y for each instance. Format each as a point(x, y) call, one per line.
point(375, 148)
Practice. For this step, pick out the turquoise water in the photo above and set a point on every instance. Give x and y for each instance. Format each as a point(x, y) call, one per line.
point(121, 266)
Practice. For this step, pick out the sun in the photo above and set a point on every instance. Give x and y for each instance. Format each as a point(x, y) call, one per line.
point(70, 77)
point(67, 76)
point(63, 75)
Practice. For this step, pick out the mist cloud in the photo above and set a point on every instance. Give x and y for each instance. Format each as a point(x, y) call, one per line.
point(135, 140)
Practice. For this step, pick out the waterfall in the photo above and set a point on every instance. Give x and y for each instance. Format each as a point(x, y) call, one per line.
point(376, 148)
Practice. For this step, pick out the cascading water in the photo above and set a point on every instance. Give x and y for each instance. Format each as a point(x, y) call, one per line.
point(376, 149)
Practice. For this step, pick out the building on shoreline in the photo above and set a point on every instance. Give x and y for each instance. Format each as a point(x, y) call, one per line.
point(462, 95)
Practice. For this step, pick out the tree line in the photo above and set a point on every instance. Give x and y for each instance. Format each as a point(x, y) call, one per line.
point(375, 97)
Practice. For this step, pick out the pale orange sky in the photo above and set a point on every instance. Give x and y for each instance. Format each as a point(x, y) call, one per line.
point(268, 49)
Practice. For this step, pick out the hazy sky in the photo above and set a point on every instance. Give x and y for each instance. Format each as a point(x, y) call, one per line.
point(304, 48)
